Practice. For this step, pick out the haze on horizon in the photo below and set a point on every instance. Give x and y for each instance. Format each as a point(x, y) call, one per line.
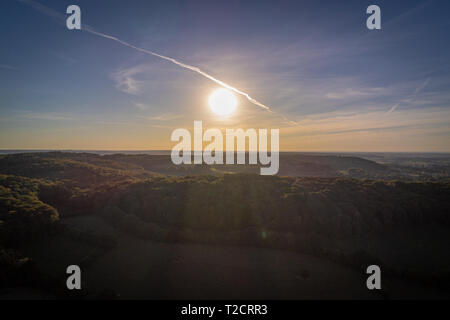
point(314, 63)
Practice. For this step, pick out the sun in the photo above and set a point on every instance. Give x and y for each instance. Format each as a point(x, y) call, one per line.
point(222, 102)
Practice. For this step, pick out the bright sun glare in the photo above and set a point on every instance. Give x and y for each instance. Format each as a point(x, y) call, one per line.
point(222, 102)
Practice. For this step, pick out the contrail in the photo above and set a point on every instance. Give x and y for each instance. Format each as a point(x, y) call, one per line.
point(183, 65)
point(410, 98)
point(52, 13)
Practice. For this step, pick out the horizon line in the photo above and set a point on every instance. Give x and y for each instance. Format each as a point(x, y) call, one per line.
point(169, 150)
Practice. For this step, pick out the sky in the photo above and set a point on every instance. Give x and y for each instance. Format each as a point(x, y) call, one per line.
point(331, 84)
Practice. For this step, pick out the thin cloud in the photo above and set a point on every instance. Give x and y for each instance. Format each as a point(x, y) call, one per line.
point(141, 106)
point(50, 116)
point(8, 67)
point(352, 93)
point(126, 82)
point(163, 117)
point(339, 122)
point(64, 58)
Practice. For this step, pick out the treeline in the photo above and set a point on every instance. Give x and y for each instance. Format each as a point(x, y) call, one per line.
point(239, 201)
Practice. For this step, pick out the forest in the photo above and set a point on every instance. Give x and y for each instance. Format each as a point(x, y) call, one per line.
point(401, 225)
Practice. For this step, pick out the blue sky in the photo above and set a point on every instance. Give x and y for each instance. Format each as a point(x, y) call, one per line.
point(313, 62)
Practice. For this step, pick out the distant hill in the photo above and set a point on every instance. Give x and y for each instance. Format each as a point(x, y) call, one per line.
point(90, 167)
